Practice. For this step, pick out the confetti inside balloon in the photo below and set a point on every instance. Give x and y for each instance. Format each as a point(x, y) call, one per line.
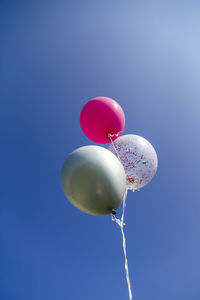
point(138, 158)
point(102, 116)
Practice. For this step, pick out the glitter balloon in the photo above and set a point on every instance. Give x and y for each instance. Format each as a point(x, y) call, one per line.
point(138, 158)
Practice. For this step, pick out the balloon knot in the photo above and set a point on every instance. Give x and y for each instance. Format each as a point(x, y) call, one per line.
point(114, 134)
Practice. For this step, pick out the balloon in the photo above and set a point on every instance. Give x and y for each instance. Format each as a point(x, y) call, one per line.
point(138, 157)
point(102, 116)
point(93, 180)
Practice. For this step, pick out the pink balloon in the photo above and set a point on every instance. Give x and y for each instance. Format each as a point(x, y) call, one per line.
point(102, 116)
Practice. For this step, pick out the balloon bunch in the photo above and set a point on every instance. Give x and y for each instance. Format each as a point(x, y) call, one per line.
point(95, 179)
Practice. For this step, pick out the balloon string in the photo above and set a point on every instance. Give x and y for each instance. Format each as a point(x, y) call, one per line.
point(110, 138)
point(121, 222)
point(121, 225)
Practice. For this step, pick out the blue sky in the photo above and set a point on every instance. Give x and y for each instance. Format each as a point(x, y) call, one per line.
point(54, 56)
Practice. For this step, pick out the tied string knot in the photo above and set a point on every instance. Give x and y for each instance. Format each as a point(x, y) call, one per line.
point(118, 221)
point(110, 135)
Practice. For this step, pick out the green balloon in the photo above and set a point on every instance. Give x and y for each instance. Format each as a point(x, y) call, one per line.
point(93, 180)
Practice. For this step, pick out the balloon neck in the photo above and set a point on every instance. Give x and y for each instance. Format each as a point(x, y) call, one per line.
point(110, 135)
point(113, 212)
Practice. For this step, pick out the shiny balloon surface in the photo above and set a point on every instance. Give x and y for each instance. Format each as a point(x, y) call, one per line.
point(93, 180)
point(138, 158)
point(102, 116)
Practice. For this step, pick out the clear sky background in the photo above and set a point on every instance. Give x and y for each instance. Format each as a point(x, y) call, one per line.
point(55, 56)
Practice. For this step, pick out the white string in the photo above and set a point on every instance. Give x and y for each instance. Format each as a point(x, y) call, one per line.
point(110, 137)
point(121, 225)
